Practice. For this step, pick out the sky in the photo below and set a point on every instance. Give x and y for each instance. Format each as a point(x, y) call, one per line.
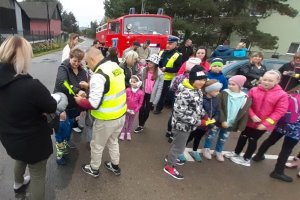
point(85, 11)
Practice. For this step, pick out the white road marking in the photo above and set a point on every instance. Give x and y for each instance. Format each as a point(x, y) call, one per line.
point(190, 158)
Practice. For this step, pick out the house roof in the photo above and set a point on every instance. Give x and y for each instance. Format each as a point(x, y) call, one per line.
point(38, 10)
point(7, 4)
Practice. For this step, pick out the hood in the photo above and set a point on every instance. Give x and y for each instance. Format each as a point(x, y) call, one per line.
point(223, 48)
point(234, 94)
point(214, 74)
point(7, 74)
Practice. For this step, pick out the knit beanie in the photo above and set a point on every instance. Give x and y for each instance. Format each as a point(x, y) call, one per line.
point(212, 85)
point(137, 79)
point(197, 73)
point(192, 62)
point(217, 62)
point(239, 80)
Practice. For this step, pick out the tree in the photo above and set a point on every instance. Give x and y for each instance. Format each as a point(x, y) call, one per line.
point(209, 22)
point(69, 22)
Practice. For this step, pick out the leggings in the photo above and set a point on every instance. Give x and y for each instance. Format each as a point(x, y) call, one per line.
point(145, 110)
point(196, 135)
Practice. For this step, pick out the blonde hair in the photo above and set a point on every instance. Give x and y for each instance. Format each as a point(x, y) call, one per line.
point(17, 51)
point(77, 53)
point(274, 72)
point(241, 45)
point(131, 58)
point(72, 37)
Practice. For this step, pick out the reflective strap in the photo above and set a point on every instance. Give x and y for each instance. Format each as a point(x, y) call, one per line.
point(108, 110)
point(271, 121)
point(113, 96)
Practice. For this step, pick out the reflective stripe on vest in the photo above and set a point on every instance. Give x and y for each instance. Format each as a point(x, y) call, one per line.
point(113, 105)
point(169, 76)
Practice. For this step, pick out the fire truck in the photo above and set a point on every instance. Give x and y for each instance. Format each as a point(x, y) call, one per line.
point(123, 31)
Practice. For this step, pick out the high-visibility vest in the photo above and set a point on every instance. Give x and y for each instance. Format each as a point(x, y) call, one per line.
point(113, 105)
point(169, 76)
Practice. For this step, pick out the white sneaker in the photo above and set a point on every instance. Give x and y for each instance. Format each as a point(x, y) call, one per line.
point(77, 130)
point(231, 154)
point(206, 153)
point(241, 161)
point(20, 187)
point(219, 156)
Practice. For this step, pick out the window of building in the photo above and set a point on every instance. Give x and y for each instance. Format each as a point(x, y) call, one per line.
point(294, 48)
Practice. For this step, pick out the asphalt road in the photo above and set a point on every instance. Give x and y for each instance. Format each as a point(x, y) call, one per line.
point(142, 163)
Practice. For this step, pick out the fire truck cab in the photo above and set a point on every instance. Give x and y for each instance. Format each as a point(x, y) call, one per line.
point(123, 31)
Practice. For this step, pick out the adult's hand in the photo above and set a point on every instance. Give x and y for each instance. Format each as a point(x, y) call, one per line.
point(81, 93)
point(78, 98)
point(84, 85)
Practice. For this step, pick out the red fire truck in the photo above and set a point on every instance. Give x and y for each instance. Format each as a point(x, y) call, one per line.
point(123, 31)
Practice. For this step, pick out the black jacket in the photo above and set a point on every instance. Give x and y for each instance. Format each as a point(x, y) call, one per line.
point(65, 72)
point(128, 71)
point(165, 57)
point(186, 52)
point(24, 131)
point(287, 82)
point(252, 74)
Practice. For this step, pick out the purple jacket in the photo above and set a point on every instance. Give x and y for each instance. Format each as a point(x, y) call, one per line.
point(134, 99)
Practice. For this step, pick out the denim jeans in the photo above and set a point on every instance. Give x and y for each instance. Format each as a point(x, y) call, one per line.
point(64, 132)
point(223, 135)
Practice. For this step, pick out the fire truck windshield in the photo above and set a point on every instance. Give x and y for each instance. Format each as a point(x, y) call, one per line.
point(148, 25)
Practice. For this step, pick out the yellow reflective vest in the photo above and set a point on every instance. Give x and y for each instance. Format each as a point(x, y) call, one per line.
point(113, 105)
point(169, 76)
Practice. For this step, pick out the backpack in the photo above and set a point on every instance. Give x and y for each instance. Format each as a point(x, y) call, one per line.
point(293, 110)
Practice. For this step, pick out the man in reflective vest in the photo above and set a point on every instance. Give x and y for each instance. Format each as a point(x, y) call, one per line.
point(107, 101)
point(170, 64)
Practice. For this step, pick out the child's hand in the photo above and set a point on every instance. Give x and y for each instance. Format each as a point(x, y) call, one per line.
point(256, 119)
point(78, 99)
point(63, 116)
point(132, 112)
point(224, 124)
point(81, 93)
point(261, 127)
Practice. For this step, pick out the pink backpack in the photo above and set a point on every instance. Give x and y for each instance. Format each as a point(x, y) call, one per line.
point(294, 106)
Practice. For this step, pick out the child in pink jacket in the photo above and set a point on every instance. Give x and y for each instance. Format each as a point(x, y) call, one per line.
point(135, 98)
point(269, 104)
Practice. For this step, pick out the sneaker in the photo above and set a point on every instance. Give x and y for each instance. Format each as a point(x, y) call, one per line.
point(281, 177)
point(122, 135)
point(128, 136)
point(21, 187)
point(292, 164)
point(156, 112)
point(181, 157)
point(171, 138)
point(77, 130)
point(139, 129)
point(231, 154)
point(206, 153)
point(69, 144)
point(89, 170)
point(61, 161)
point(109, 166)
point(196, 155)
point(298, 174)
point(178, 162)
point(173, 172)
point(61, 150)
point(219, 157)
point(258, 158)
point(241, 161)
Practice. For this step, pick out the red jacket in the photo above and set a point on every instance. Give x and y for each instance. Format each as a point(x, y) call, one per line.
point(268, 105)
point(205, 64)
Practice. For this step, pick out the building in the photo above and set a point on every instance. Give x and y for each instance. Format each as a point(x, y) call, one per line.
point(43, 15)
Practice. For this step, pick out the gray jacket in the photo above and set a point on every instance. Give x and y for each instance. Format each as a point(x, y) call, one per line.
point(157, 88)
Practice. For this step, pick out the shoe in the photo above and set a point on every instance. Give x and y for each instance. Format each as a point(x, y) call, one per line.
point(298, 174)
point(122, 135)
point(69, 144)
point(206, 153)
point(156, 112)
point(293, 164)
point(178, 162)
point(258, 158)
point(171, 138)
point(231, 154)
point(61, 149)
point(109, 166)
point(219, 157)
point(139, 129)
point(182, 158)
point(21, 187)
point(128, 136)
point(89, 170)
point(168, 134)
point(241, 161)
point(60, 161)
point(281, 177)
point(173, 172)
point(196, 155)
point(77, 130)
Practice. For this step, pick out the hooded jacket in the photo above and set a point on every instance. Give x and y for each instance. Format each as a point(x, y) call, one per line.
point(24, 131)
point(268, 105)
point(188, 108)
point(220, 77)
